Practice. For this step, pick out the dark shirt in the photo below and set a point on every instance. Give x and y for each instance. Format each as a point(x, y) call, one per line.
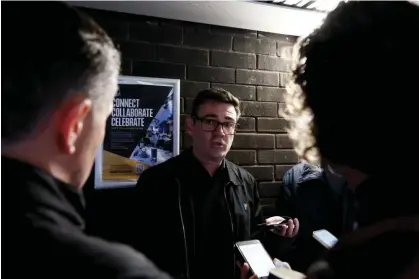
point(211, 216)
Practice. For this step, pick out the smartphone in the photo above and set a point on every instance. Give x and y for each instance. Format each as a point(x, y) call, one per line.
point(326, 239)
point(256, 256)
point(271, 225)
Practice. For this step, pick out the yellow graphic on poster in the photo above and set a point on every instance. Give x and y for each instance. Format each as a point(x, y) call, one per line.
point(139, 132)
point(117, 167)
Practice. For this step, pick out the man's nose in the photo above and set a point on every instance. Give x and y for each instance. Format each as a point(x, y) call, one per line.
point(219, 130)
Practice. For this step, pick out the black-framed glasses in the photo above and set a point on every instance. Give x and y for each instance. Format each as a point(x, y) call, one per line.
point(210, 125)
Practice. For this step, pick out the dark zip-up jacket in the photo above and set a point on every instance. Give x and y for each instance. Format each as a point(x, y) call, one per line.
point(319, 202)
point(43, 232)
point(166, 226)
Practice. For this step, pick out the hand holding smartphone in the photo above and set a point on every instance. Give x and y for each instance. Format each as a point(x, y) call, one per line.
point(256, 256)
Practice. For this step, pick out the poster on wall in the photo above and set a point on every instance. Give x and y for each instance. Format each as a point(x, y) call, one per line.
point(141, 132)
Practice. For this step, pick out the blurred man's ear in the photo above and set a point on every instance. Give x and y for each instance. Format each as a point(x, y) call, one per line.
point(70, 120)
point(189, 125)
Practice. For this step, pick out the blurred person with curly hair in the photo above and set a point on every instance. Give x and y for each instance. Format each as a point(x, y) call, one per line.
point(351, 103)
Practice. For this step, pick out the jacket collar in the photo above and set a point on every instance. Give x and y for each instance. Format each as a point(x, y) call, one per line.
point(187, 157)
point(233, 173)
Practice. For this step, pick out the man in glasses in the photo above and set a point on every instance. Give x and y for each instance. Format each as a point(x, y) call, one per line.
point(194, 207)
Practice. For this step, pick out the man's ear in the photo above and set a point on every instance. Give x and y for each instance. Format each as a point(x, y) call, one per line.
point(71, 118)
point(189, 125)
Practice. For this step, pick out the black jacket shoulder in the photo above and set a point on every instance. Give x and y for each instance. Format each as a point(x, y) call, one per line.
point(162, 170)
point(301, 173)
point(240, 173)
point(92, 256)
point(46, 235)
point(158, 178)
point(178, 166)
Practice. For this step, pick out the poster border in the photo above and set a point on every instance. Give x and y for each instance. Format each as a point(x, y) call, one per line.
point(153, 81)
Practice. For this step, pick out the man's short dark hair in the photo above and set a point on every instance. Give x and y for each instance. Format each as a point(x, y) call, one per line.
point(51, 52)
point(354, 87)
point(214, 95)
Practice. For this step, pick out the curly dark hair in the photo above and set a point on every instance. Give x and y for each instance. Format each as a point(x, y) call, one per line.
point(355, 78)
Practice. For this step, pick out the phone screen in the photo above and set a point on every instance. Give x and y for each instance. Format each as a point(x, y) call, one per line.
point(257, 258)
point(327, 239)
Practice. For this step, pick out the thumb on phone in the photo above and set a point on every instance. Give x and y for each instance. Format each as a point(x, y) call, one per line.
point(244, 271)
point(279, 263)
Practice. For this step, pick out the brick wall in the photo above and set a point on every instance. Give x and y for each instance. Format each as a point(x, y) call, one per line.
point(252, 65)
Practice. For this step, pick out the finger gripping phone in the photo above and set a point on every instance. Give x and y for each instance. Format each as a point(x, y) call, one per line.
point(256, 256)
point(283, 222)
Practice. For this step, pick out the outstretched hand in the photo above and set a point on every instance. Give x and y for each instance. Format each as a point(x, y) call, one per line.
point(244, 268)
point(244, 271)
point(289, 229)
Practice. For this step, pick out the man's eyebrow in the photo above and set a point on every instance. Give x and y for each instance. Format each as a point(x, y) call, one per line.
point(209, 115)
point(215, 116)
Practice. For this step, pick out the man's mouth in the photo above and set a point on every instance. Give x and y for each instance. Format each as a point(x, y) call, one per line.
point(219, 144)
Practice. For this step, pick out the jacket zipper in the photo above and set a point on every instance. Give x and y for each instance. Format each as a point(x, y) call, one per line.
point(232, 228)
point(183, 229)
point(192, 205)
